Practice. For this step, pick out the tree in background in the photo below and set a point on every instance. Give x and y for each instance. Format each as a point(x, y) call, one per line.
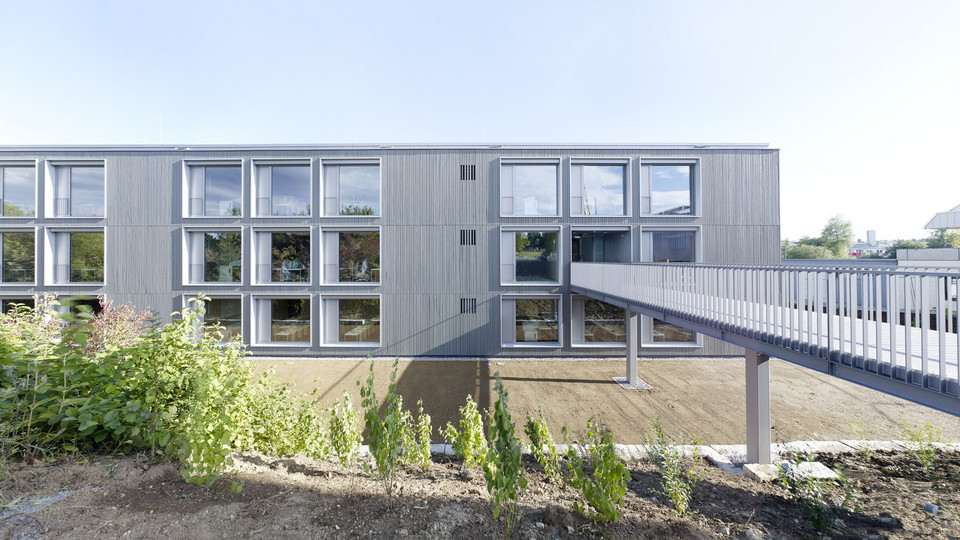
point(942, 238)
point(834, 242)
point(891, 252)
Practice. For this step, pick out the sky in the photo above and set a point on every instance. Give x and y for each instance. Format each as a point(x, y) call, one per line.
point(861, 97)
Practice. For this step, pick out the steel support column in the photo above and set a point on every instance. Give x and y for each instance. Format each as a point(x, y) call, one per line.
point(630, 320)
point(758, 407)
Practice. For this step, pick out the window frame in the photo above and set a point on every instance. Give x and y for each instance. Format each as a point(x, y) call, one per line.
point(254, 258)
point(530, 228)
point(36, 256)
point(342, 162)
point(646, 322)
point(50, 187)
point(646, 186)
point(35, 164)
point(503, 161)
point(255, 341)
point(52, 236)
point(184, 300)
point(324, 338)
point(188, 164)
point(510, 297)
point(605, 228)
point(601, 161)
point(187, 260)
point(257, 163)
point(592, 344)
point(323, 255)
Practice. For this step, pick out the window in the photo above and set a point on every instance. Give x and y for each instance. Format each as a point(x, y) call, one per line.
point(282, 320)
point(352, 321)
point(529, 257)
point(529, 188)
point(674, 246)
point(351, 189)
point(283, 190)
point(530, 321)
point(78, 191)
point(597, 323)
point(214, 256)
point(77, 256)
point(669, 189)
point(18, 191)
point(283, 256)
point(600, 245)
point(226, 312)
point(18, 264)
point(351, 256)
point(9, 303)
point(214, 190)
point(598, 189)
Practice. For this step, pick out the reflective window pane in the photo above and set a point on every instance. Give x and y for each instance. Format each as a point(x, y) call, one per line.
point(222, 191)
point(290, 257)
point(534, 190)
point(8, 304)
point(668, 333)
point(536, 256)
point(670, 188)
point(226, 312)
point(603, 190)
point(603, 322)
point(359, 190)
point(359, 320)
point(18, 191)
point(290, 319)
point(673, 246)
point(19, 250)
point(359, 256)
point(537, 320)
point(291, 190)
point(86, 191)
point(222, 257)
point(86, 257)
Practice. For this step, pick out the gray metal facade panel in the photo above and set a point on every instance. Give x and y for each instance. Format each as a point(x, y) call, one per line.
point(425, 271)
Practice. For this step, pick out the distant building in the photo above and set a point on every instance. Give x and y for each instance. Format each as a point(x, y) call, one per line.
point(870, 247)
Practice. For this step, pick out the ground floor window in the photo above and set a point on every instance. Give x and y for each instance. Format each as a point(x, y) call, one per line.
point(597, 323)
point(282, 320)
point(226, 312)
point(352, 320)
point(530, 321)
point(9, 303)
point(659, 333)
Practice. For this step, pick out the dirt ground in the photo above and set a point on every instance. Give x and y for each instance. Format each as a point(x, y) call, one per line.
point(702, 398)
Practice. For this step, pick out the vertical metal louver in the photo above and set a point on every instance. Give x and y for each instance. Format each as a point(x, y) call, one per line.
point(468, 305)
point(468, 237)
point(468, 172)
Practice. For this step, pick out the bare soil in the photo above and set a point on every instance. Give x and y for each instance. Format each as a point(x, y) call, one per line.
point(131, 497)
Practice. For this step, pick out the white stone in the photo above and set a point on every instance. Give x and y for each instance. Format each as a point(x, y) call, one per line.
point(761, 472)
point(810, 469)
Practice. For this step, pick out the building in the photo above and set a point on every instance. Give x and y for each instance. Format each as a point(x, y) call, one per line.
point(871, 247)
point(333, 250)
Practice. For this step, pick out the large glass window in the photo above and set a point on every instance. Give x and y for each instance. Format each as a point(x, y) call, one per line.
point(357, 320)
point(18, 191)
point(673, 246)
point(225, 312)
point(215, 190)
point(290, 257)
point(359, 256)
point(86, 257)
point(19, 257)
point(600, 246)
point(597, 322)
point(289, 320)
point(664, 332)
point(670, 190)
point(529, 189)
point(531, 321)
point(352, 190)
point(7, 303)
point(529, 257)
point(79, 191)
point(222, 257)
point(283, 190)
point(598, 190)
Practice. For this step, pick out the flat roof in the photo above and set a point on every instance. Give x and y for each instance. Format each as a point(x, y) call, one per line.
point(381, 146)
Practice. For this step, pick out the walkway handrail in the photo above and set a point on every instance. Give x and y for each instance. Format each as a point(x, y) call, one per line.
point(890, 325)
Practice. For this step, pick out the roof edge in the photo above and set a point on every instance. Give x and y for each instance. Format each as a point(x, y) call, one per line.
point(382, 146)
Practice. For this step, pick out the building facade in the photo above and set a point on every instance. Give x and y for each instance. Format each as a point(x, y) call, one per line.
point(411, 250)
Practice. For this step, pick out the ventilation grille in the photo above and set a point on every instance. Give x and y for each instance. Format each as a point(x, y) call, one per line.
point(468, 305)
point(468, 172)
point(468, 237)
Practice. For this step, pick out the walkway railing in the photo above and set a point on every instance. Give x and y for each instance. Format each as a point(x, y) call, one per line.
point(890, 329)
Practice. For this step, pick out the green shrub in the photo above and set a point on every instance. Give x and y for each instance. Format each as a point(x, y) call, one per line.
point(503, 466)
point(822, 501)
point(678, 473)
point(921, 444)
point(344, 431)
point(469, 443)
point(416, 437)
point(604, 489)
point(542, 447)
point(385, 430)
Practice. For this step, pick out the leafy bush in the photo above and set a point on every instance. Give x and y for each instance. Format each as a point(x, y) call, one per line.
point(543, 447)
point(604, 489)
point(921, 444)
point(678, 473)
point(469, 442)
point(416, 437)
point(385, 431)
point(344, 431)
point(503, 466)
point(822, 501)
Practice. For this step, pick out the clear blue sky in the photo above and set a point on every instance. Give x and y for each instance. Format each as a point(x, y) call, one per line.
point(862, 98)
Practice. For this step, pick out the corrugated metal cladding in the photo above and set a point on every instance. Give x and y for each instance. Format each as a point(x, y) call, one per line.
point(429, 195)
